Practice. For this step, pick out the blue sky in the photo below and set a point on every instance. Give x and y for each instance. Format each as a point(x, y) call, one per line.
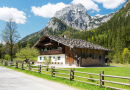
point(33, 15)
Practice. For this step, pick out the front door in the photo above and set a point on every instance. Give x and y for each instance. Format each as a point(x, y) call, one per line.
point(71, 59)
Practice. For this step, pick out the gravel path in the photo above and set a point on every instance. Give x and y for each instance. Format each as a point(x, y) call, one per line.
point(13, 80)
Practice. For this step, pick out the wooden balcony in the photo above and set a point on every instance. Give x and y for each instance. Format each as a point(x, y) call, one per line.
point(52, 52)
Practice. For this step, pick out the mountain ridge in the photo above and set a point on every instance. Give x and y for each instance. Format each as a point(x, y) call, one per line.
point(76, 16)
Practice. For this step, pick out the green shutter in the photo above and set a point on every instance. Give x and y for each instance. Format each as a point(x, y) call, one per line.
point(40, 58)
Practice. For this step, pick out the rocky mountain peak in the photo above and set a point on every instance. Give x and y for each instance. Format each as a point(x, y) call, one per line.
point(70, 9)
point(74, 15)
point(128, 1)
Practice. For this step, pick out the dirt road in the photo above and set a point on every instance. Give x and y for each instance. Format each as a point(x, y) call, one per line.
point(13, 80)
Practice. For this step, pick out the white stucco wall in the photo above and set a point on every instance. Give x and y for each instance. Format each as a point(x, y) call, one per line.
point(62, 58)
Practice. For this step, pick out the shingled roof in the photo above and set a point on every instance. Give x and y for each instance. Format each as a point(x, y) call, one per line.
point(77, 43)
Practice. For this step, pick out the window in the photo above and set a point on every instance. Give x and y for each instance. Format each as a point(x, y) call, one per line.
point(40, 58)
point(53, 57)
point(59, 47)
point(50, 48)
point(58, 58)
point(45, 49)
point(49, 56)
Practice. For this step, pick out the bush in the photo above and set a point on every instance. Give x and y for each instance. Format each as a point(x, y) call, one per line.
point(7, 57)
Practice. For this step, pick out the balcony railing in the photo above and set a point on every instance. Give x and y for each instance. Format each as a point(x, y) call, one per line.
point(51, 52)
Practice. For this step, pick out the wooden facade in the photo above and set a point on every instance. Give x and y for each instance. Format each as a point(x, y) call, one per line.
point(83, 53)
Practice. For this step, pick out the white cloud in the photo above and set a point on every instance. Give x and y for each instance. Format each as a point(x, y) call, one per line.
point(12, 13)
point(110, 4)
point(89, 4)
point(48, 10)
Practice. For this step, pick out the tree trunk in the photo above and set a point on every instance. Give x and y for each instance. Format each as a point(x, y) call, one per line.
point(11, 53)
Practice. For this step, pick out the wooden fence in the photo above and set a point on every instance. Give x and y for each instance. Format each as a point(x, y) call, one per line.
point(55, 72)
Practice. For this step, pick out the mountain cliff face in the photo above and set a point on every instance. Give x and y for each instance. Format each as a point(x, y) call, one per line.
point(76, 16)
point(56, 24)
point(98, 20)
point(128, 12)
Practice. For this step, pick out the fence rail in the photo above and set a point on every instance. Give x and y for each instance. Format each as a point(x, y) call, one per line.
point(55, 72)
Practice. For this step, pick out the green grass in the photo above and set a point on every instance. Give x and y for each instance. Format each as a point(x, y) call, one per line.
point(116, 71)
point(122, 70)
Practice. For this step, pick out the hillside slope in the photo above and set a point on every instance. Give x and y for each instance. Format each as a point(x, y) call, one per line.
point(60, 29)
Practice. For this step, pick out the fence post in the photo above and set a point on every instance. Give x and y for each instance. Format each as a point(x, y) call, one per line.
point(99, 78)
point(40, 69)
point(29, 66)
point(47, 68)
point(22, 65)
point(51, 71)
point(16, 64)
point(73, 74)
point(102, 77)
point(5, 63)
point(27, 63)
point(2, 62)
point(70, 74)
point(10, 64)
